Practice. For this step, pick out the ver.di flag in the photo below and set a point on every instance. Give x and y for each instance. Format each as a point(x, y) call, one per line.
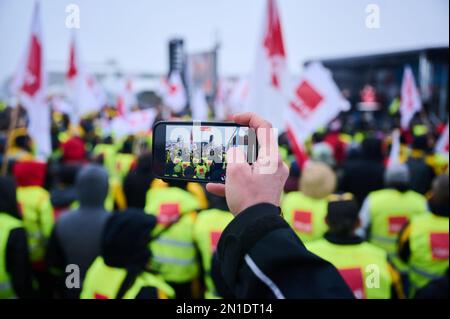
point(410, 102)
point(82, 88)
point(315, 102)
point(173, 92)
point(30, 83)
point(442, 143)
point(267, 94)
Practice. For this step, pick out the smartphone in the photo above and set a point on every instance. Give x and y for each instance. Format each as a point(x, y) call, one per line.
point(196, 151)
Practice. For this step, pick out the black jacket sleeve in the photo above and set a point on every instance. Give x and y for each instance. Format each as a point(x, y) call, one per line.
point(262, 257)
point(18, 264)
point(55, 261)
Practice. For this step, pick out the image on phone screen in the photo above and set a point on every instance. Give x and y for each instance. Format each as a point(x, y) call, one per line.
point(198, 152)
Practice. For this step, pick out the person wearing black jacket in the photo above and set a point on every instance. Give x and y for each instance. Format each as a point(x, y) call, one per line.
point(17, 261)
point(259, 255)
point(137, 182)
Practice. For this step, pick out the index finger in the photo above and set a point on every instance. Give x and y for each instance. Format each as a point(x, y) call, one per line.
point(264, 132)
point(252, 120)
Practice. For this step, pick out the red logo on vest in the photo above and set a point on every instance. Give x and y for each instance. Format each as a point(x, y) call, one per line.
point(439, 246)
point(303, 221)
point(354, 279)
point(100, 296)
point(396, 224)
point(168, 213)
point(214, 239)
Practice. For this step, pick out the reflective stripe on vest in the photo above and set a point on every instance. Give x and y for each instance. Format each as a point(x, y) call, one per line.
point(429, 247)
point(389, 211)
point(174, 242)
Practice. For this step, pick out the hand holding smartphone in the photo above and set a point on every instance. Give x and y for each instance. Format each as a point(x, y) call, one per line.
point(196, 151)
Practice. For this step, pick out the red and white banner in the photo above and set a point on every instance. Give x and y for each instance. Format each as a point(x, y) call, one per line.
point(267, 95)
point(238, 98)
point(199, 106)
point(394, 155)
point(83, 91)
point(173, 92)
point(442, 144)
point(30, 85)
point(315, 102)
point(125, 99)
point(133, 123)
point(410, 98)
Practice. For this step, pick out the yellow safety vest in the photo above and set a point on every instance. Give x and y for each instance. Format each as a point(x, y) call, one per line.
point(207, 231)
point(122, 164)
point(390, 210)
point(38, 218)
point(428, 242)
point(364, 267)
point(108, 151)
point(193, 188)
point(104, 282)
point(7, 224)
point(306, 215)
point(174, 252)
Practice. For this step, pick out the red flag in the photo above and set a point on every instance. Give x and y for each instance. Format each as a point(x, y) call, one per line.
point(269, 78)
point(29, 84)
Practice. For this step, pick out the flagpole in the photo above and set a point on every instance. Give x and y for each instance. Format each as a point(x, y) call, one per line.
point(12, 124)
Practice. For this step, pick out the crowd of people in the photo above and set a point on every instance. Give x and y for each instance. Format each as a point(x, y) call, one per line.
point(93, 223)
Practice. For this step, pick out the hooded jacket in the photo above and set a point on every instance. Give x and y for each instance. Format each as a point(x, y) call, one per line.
point(363, 174)
point(76, 237)
point(18, 263)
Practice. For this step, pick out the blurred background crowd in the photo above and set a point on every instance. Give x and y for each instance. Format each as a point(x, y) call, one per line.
point(368, 181)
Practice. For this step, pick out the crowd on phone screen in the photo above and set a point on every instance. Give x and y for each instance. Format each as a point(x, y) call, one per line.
point(94, 210)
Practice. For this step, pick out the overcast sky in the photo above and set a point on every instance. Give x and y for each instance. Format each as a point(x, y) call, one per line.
point(135, 32)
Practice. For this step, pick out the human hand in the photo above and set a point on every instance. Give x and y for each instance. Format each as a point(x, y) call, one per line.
point(247, 185)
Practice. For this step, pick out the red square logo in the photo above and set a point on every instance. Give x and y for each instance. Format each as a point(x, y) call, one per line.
point(308, 99)
point(168, 213)
point(354, 279)
point(396, 224)
point(303, 221)
point(214, 239)
point(439, 246)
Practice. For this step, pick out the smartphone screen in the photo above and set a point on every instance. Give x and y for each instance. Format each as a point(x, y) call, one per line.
point(197, 152)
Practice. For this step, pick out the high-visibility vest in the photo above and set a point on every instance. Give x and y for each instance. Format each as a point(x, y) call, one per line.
point(193, 188)
point(306, 215)
point(122, 164)
point(7, 224)
point(207, 231)
point(364, 267)
point(428, 242)
point(109, 152)
point(201, 170)
point(104, 282)
point(174, 254)
point(390, 210)
point(38, 218)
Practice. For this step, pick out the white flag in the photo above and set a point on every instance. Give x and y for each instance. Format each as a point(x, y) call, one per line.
point(125, 98)
point(315, 102)
point(133, 123)
point(394, 156)
point(410, 98)
point(199, 106)
point(30, 84)
point(238, 96)
point(82, 89)
point(267, 94)
point(442, 144)
point(174, 93)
